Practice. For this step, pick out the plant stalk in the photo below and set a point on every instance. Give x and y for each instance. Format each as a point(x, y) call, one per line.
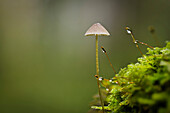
point(97, 72)
point(134, 41)
point(97, 58)
point(144, 44)
point(110, 63)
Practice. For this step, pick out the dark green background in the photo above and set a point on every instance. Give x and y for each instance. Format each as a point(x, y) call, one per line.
point(47, 65)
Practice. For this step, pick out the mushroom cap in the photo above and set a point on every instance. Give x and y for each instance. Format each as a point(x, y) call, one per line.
point(97, 29)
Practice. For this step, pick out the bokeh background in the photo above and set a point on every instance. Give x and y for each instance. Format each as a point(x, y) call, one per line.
point(47, 65)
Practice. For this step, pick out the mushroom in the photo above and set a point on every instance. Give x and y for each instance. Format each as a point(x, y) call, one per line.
point(97, 30)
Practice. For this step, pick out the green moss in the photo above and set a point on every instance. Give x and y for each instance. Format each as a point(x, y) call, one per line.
point(141, 87)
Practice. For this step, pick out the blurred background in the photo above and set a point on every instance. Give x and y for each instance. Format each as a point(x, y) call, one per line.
point(47, 65)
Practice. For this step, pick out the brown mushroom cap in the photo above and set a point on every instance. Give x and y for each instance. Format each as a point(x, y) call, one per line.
point(97, 29)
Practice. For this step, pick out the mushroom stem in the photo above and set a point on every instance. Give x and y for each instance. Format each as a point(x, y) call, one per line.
point(97, 58)
point(100, 95)
point(97, 73)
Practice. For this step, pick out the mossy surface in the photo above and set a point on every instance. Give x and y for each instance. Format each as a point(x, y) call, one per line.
point(140, 87)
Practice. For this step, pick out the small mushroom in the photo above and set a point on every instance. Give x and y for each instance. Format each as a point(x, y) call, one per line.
point(97, 30)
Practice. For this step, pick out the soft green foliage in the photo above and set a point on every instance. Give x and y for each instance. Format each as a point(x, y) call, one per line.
point(141, 87)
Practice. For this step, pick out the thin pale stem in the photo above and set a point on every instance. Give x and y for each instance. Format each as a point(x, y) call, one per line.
point(97, 72)
point(100, 95)
point(134, 41)
point(110, 63)
point(108, 58)
point(139, 50)
point(144, 44)
point(97, 58)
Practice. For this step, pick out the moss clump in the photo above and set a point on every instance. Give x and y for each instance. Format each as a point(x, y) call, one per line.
point(141, 87)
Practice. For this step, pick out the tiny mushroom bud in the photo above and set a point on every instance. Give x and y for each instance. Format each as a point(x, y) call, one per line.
point(104, 51)
point(129, 31)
